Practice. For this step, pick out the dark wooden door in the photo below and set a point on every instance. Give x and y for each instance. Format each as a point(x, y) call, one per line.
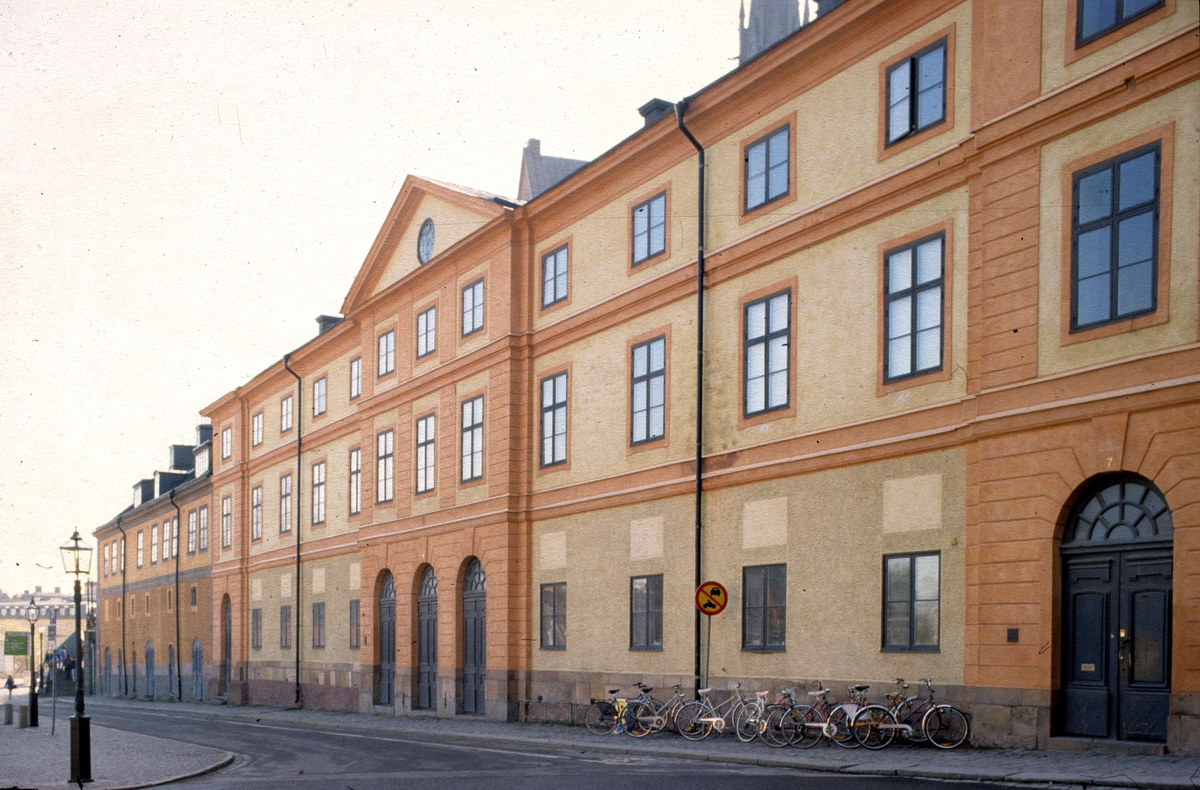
point(427, 636)
point(150, 670)
point(387, 642)
point(226, 649)
point(197, 670)
point(1117, 646)
point(474, 639)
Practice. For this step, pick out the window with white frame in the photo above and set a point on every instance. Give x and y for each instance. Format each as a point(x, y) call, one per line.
point(122, 555)
point(554, 276)
point(913, 309)
point(318, 493)
point(256, 503)
point(154, 544)
point(554, 419)
point(319, 396)
point(387, 353)
point(650, 228)
point(765, 363)
point(384, 471)
point(226, 522)
point(916, 92)
point(472, 307)
point(285, 414)
point(175, 536)
point(203, 514)
point(141, 539)
point(107, 559)
point(166, 540)
point(226, 442)
point(256, 429)
point(472, 439)
point(355, 377)
point(648, 398)
point(355, 481)
point(425, 454)
point(285, 504)
point(427, 332)
point(191, 532)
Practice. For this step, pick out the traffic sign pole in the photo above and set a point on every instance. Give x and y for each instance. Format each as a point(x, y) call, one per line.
point(711, 599)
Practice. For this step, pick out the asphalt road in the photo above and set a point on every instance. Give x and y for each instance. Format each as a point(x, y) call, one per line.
point(273, 755)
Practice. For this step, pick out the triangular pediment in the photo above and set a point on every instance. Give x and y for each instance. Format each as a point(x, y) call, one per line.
point(456, 212)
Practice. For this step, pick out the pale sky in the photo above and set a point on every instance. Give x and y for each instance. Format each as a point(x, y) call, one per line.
point(186, 185)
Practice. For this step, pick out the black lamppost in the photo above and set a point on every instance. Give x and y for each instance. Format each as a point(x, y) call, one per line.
point(32, 613)
point(77, 559)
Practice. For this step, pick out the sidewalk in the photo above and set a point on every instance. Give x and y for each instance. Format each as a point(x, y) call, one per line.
point(33, 758)
point(1062, 769)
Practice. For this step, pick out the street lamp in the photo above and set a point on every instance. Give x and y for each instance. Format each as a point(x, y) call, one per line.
point(32, 613)
point(77, 560)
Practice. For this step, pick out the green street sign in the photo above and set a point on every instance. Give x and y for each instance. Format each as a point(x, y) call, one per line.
point(16, 643)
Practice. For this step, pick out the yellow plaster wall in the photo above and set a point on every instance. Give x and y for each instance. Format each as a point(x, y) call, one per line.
point(836, 142)
point(1179, 107)
point(451, 224)
point(836, 339)
point(1055, 71)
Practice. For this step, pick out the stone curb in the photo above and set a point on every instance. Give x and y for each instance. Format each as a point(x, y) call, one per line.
point(229, 758)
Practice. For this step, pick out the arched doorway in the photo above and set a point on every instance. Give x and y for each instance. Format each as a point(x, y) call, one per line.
point(474, 602)
point(226, 647)
point(1116, 622)
point(150, 670)
point(108, 670)
point(197, 670)
point(172, 689)
point(387, 641)
point(427, 655)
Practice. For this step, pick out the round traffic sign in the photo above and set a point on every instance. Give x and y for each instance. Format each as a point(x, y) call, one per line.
point(711, 598)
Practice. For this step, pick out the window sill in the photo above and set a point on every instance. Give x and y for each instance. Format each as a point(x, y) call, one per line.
point(646, 649)
point(930, 649)
point(764, 649)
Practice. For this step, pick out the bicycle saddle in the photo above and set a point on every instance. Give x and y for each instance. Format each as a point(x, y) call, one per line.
point(820, 693)
point(860, 688)
point(646, 689)
point(614, 691)
point(704, 691)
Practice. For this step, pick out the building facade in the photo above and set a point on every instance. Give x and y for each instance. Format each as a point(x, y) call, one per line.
point(503, 472)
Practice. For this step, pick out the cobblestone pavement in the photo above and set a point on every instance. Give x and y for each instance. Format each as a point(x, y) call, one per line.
point(33, 758)
point(1061, 769)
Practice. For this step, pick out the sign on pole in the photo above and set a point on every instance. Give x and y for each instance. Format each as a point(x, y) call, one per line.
point(711, 598)
point(52, 632)
point(16, 643)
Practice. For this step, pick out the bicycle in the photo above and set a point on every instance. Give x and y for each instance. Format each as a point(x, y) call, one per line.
point(751, 718)
point(637, 716)
point(779, 724)
point(697, 719)
point(876, 726)
point(669, 710)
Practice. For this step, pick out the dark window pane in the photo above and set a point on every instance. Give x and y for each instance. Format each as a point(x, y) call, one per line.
point(926, 627)
point(1095, 252)
point(777, 585)
point(1095, 196)
point(1134, 288)
point(1094, 299)
point(1137, 181)
point(775, 627)
point(931, 69)
point(896, 628)
point(754, 587)
point(1135, 239)
point(898, 578)
point(754, 630)
point(927, 577)
point(1133, 7)
point(1097, 15)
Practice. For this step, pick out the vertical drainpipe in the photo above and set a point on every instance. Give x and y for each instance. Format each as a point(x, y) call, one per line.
point(178, 644)
point(121, 653)
point(680, 109)
point(298, 423)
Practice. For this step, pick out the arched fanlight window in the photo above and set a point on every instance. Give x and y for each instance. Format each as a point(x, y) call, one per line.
point(428, 585)
point(388, 591)
point(475, 580)
point(1125, 510)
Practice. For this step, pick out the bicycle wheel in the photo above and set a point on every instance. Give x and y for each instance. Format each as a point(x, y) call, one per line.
point(791, 725)
point(773, 734)
point(689, 721)
point(839, 718)
point(946, 727)
point(748, 723)
point(873, 727)
point(810, 727)
point(601, 718)
point(639, 719)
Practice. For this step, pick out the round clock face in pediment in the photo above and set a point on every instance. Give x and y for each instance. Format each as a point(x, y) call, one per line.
point(425, 242)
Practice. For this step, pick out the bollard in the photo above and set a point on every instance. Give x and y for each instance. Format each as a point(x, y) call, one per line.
point(22, 717)
point(8, 713)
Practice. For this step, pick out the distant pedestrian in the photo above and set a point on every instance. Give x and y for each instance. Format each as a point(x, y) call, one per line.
point(8, 684)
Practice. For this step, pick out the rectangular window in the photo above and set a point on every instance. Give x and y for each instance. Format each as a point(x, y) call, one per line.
point(227, 442)
point(916, 92)
point(318, 493)
point(193, 595)
point(1094, 18)
point(355, 482)
point(384, 473)
point(122, 555)
point(427, 332)
point(472, 308)
point(319, 396)
point(203, 513)
point(256, 429)
point(554, 616)
point(1114, 235)
point(226, 522)
point(648, 398)
point(256, 502)
point(766, 355)
point(256, 629)
point(153, 544)
point(175, 536)
point(645, 612)
point(285, 414)
point(650, 228)
point(554, 419)
point(191, 533)
point(764, 608)
point(166, 540)
point(768, 168)
point(108, 557)
point(141, 540)
point(285, 504)
point(426, 456)
point(912, 602)
point(355, 626)
point(554, 276)
point(318, 626)
point(387, 353)
point(285, 626)
point(472, 439)
point(355, 377)
point(914, 281)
